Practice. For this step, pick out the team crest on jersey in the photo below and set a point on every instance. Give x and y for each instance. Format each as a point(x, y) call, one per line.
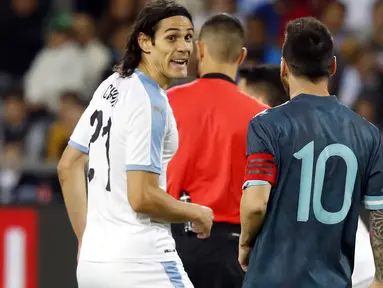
point(111, 94)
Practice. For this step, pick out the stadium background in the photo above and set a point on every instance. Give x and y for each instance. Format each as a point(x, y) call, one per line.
point(53, 53)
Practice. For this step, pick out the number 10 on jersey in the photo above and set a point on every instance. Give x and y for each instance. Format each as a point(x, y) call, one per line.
point(306, 154)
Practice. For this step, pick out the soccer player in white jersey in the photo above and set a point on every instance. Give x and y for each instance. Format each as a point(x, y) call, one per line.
point(127, 135)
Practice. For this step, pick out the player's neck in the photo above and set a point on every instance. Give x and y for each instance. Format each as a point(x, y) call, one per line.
point(302, 86)
point(226, 69)
point(153, 73)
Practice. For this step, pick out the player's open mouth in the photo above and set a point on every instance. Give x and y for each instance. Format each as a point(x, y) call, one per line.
point(181, 63)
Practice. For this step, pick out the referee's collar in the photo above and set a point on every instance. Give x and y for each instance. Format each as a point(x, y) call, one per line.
point(218, 76)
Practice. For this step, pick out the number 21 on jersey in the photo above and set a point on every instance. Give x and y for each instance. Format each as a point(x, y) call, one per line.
point(97, 119)
point(306, 154)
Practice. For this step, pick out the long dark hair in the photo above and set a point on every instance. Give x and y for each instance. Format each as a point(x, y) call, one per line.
point(146, 22)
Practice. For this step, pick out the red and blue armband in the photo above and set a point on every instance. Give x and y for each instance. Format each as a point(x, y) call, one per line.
point(260, 170)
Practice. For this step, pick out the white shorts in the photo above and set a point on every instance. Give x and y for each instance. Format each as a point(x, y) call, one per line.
point(170, 274)
point(363, 284)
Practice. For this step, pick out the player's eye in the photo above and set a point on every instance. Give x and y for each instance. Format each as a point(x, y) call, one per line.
point(189, 37)
point(171, 38)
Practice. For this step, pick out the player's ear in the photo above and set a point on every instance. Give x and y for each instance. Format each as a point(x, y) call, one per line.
point(243, 55)
point(283, 68)
point(242, 83)
point(333, 67)
point(200, 49)
point(145, 42)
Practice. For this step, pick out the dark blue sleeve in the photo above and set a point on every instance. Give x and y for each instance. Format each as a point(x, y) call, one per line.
point(259, 138)
point(261, 166)
point(373, 196)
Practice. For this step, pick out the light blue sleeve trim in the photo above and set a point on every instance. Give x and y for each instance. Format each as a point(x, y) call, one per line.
point(250, 183)
point(148, 168)
point(374, 207)
point(159, 116)
point(77, 146)
point(173, 273)
point(373, 198)
point(373, 202)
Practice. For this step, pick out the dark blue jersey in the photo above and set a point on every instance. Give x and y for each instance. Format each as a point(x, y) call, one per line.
point(328, 160)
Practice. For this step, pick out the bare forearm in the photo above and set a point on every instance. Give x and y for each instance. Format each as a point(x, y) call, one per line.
point(251, 223)
point(376, 237)
point(162, 207)
point(73, 187)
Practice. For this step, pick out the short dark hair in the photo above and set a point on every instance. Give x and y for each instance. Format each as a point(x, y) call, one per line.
point(308, 48)
point(225, 35)
point(268, 74)
point(146, 22)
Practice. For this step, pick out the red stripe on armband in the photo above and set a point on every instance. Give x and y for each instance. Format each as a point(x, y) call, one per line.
point(261, 166)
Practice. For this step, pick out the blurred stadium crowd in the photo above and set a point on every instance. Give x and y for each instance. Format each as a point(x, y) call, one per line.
point(54, 53)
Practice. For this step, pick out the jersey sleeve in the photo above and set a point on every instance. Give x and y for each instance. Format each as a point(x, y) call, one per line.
point(373, 196)
point(261, 166)
point(145, 137)
point(81, 133)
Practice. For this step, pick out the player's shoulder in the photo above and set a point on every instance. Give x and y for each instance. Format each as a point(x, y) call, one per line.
point(373, 131)
point(182, 89)
point(150, 94)
point(271, 114)
point(363, 128)
point(251, 102)
point(138, 89)
point(122, 84)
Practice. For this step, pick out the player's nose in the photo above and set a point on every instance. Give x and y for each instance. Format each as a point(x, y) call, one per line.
point(184, 46)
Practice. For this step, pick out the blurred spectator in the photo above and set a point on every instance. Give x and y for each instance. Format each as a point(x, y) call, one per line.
point(333, 17)
point(370, 103)
point(18, 180)
point(358, 18)
point(21, 37)
point(215, 7)
point(70, 110)
point(95, 53)
point(263, 83)
point(22, 146)
point(377, 31)
point(365, 108)
point(277, 14)
point(254, 57)
point(9, 177)
point(258, 43)
point(246, 6)
point(119, 12)
point(195, 7)
point(95, 8)
point(59, 66)
point(117, 45)
point(361, 72)
point(18, 129)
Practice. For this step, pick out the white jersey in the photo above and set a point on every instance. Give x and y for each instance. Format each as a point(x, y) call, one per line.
point(128, 125)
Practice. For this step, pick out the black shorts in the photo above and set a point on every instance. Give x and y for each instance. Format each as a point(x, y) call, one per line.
point(212, 262)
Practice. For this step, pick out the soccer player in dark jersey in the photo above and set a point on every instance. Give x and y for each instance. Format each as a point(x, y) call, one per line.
point(310, 163)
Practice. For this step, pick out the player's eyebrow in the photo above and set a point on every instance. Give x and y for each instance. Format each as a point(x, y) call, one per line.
point(178, 30)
